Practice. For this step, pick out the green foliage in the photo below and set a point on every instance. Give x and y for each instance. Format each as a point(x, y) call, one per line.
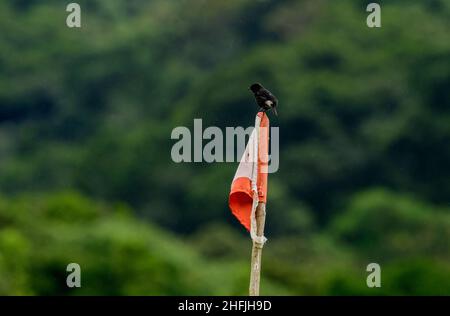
point(118, 255)
point(409, 227)
point(85, 168)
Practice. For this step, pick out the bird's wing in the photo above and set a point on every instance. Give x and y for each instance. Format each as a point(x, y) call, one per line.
point(275, 101)
point(260, 95)
point(264, 95)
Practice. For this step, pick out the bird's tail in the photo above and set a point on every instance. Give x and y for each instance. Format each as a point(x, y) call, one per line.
point(274, 110)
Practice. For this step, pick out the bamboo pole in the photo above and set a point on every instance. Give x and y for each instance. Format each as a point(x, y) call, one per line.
point(255, 272)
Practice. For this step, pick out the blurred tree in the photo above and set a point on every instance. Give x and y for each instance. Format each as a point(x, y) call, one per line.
point(91, 111)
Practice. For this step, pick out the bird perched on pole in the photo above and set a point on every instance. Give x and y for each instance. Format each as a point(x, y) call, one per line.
point(265, 99)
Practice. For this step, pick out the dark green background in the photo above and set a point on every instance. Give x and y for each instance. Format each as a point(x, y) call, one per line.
point(85, 169)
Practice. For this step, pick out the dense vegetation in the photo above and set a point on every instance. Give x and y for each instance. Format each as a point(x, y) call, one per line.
point(85, 168)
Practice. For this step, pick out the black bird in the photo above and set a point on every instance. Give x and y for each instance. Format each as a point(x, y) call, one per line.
point(265, 99)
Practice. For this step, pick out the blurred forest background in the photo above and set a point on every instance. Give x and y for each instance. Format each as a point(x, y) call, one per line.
point(86, 174)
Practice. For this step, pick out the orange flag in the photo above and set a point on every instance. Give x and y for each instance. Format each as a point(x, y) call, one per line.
point(249, 185)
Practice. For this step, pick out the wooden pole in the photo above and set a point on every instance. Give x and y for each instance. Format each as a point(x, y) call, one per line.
point(260, 216)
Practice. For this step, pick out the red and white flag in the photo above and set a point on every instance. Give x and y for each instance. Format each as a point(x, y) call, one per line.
point(249, 185)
